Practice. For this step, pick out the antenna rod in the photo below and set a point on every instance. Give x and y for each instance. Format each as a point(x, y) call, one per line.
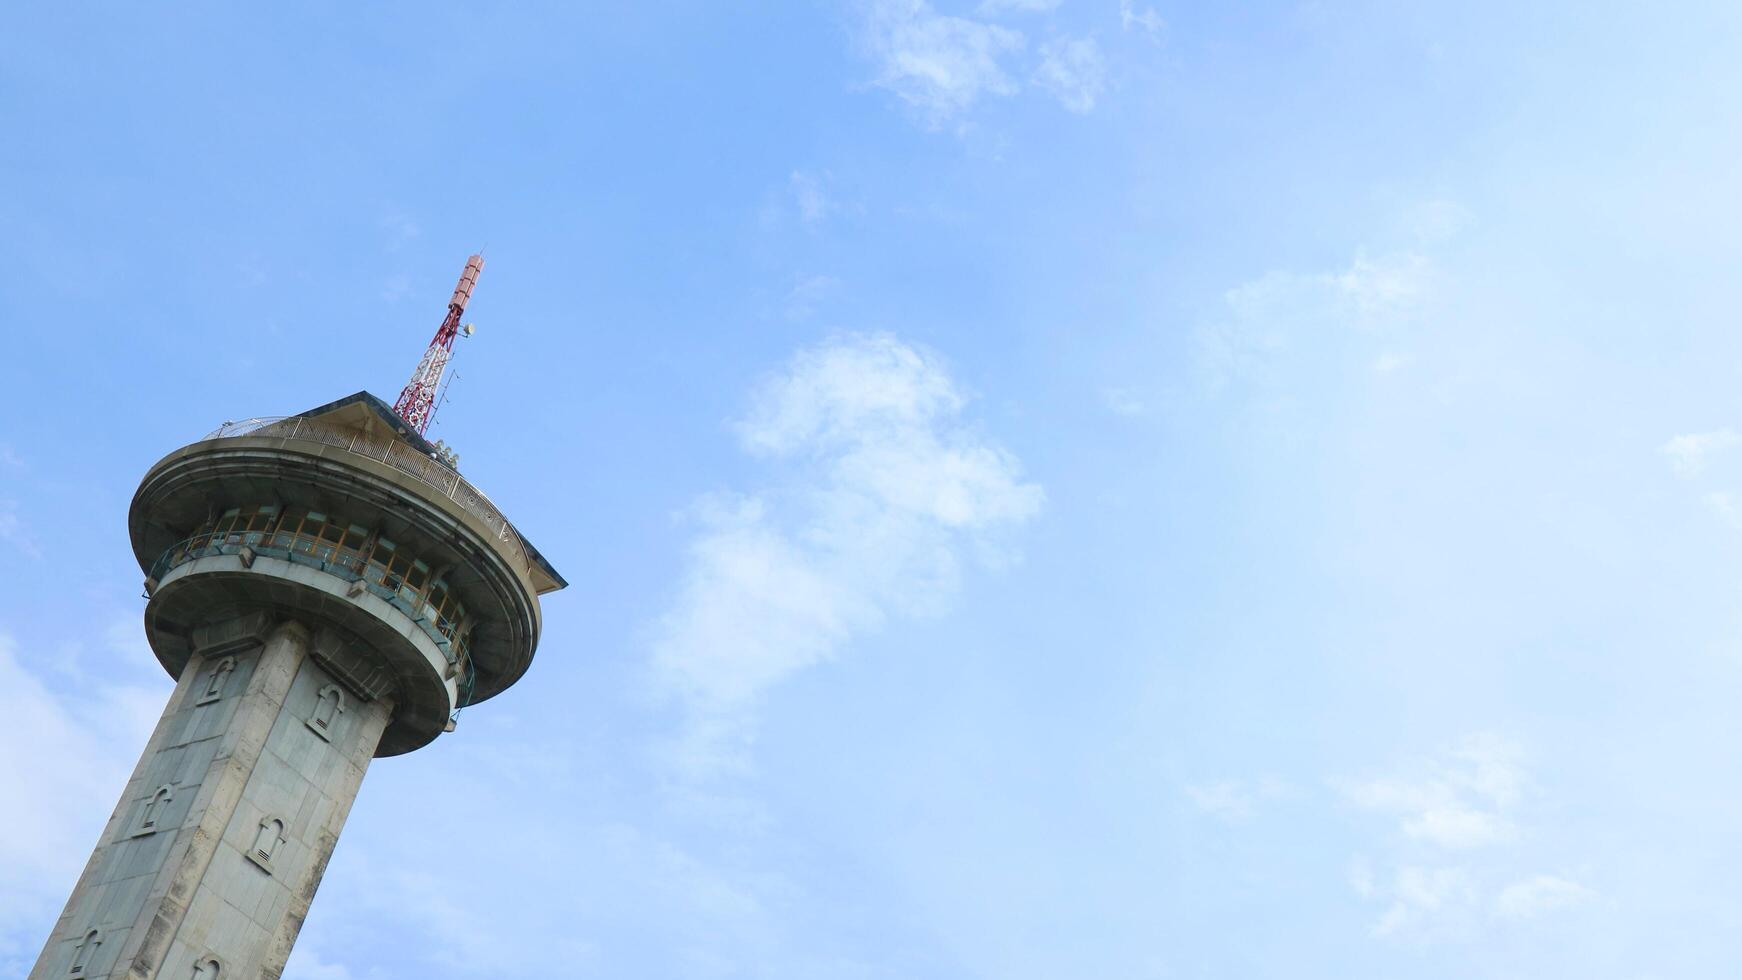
point(417, 403)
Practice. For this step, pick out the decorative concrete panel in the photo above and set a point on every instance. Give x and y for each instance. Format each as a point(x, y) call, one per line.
point(185, 891)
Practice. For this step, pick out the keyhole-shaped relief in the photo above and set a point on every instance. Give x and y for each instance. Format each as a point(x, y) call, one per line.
point(154, 811)
point(207, 969)
point(328, 707)
point(266, 841)
point(85, 954)
point(215, 680)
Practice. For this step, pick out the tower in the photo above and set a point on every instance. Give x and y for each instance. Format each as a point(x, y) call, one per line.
point(326, 590)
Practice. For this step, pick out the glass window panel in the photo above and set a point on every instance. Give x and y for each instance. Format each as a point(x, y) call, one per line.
point(285, 534)
point(396, 567)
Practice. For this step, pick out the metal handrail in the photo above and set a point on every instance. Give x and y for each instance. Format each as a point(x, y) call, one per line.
point(206, 546)
point(394, 453)
point(244, 427)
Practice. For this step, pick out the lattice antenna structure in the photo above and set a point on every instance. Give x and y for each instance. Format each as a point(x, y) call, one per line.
point(417, 403)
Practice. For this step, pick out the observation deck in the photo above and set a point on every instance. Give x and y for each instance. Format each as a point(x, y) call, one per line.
point(419, 589)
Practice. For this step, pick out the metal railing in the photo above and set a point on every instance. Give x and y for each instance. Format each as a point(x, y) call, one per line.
point(394, 453)
point(206, 545)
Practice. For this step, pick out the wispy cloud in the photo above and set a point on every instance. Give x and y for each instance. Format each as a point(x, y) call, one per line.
point(1539, 895)
point(803, 299)
point(1689, 453)
point(1390, 361)
point(1235, 800)
point(995, 7)
point(1462, 800)
point(1428, 902)
point(1145, 19)
point(1120, 401)
point(307, 962)
point(1073, 70)
point(1456, 836)
point(939, 64)
point(1383, 289)
point(15, 531)
point(809, 197)
point(81, 750)
point(1431, 222)
point(1282, 313)
point(892, 490)
point(1727, 506)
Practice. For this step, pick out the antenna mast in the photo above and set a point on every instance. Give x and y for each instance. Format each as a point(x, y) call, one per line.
point(417, 403)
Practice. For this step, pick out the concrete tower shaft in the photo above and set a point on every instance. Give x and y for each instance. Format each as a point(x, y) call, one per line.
point(325, 592)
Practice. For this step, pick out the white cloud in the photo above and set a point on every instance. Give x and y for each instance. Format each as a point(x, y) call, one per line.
point(1539, 895)
point(626, 870)
point(807, 193)
point(993, 7)
point(891, 488)
point(1073, 71)
point(939, 64)
point(1235, 800)
point(82, 749)
point(15, 531)
point(461, 939)
point(1453, 812)
point(125, 637)
point(306, 963)
point(1361, 880)
point(1223, 799)
point(1428, 902)
point(1459, 802)
point(1144, 19)
point(1120, 401)
point(1727, 506)
point(1391, 361)
point(1383, 289)
point(1284, 313)
point(1436, 221)
point(1688, 453)
point(804, 298)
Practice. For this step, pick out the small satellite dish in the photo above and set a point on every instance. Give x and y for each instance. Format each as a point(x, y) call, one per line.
point(468, 328)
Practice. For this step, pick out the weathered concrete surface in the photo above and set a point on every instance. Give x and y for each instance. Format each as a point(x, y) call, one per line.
point(225, 828)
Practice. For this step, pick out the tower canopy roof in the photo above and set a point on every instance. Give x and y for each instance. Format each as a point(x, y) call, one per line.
point(372, 416)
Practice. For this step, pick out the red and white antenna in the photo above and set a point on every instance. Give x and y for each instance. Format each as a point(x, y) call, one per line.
point(417, 403)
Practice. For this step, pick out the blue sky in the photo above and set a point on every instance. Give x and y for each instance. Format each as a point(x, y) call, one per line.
point(1049, 488)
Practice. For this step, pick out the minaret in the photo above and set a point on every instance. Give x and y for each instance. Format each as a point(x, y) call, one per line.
point(326, 589)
